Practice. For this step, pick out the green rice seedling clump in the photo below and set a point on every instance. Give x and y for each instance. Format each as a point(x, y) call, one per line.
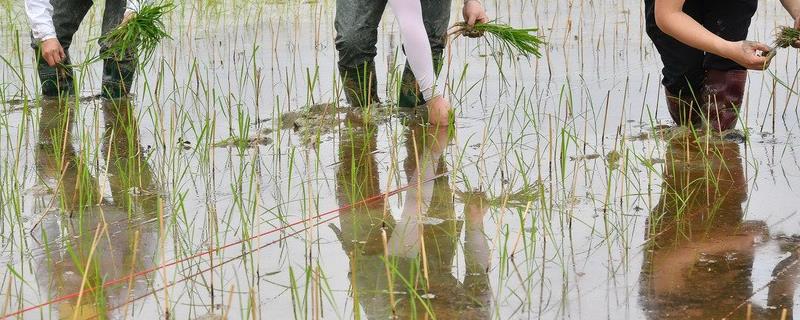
point(519, 41)
point(141, 33)
point(786, 36)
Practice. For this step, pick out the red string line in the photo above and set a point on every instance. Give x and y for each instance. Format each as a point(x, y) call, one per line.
point(127, 278)
point(212, 267)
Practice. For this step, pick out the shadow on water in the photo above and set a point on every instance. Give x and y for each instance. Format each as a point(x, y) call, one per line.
point(701, 249)
point(404, 267)
point(94, 238)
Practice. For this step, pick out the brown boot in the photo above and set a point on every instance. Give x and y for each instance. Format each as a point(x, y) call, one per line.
point(683, 110)
point(723, 92)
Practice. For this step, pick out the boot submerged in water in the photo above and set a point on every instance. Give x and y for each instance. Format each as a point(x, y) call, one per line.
point(360, 85)
point(722, 94)
point(683, 110)
point(118, 78)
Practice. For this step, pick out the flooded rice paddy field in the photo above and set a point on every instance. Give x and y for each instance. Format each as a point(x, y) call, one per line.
point(235, 185)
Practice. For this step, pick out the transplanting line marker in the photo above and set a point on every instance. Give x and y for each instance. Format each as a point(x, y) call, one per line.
point(168, 285)
point(127, 278)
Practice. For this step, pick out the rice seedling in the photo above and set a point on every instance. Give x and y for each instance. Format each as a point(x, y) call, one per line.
point(786, 36)
point(517, 42)
point(140, 34)
point(211, 184)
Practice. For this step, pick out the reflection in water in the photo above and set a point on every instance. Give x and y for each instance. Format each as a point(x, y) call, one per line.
point(701, 252)
point(75, 254)
point(427, 228)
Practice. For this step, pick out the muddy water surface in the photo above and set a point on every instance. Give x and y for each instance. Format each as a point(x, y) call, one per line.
point(236, 185)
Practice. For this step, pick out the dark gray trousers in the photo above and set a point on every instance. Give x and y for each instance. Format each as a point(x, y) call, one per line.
point(357, 36)
point(118, 74)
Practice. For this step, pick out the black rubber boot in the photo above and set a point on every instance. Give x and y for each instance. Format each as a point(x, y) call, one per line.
point(360, 85)
point(410, 95)
point(56, 81)
point(118, 76)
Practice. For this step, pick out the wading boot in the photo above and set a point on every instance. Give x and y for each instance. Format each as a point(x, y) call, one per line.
point(56, 81)
point(410, 95)
point(722, 93)
point(118, 78)
point(683, 110)
point(360, 85)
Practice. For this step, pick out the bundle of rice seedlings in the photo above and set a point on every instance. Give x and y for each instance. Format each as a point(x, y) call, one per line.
point(141, 34)
point(786, 37)
point(518, 41)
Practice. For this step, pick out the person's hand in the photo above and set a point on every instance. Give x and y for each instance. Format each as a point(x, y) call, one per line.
point(129, 14)
point(797, 26)
point(52, 52)
point(749, 54)
point(439, 112)
point(473, 12)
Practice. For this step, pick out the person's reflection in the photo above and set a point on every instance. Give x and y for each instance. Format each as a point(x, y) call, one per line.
point(74, 254)
point(700, 250)
point(58, 165)
point(360, 226)
point(428, 216)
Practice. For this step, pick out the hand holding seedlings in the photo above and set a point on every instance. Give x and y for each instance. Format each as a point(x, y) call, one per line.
point(56, 21)
point(749, 54)
point(474, 12)
point(129, 14)
point(787, 37)
point(517, 41)
point(139, 32)
point(52, 52)
point(793, 8)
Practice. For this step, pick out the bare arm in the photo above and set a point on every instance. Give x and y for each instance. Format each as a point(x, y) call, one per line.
point(793, 7)
point(671, 19)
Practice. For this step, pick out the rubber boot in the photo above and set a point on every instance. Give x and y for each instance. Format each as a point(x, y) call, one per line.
point(683, 111)
point(722, 93)
point(410, 95)
point(118, 76)
point(360, 85)
point(56, 81)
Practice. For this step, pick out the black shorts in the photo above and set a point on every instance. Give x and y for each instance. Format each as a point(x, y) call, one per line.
point(684, 66)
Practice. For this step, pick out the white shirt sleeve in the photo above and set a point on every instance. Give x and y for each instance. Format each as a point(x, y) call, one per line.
point(417, 46)
point(40, 14)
